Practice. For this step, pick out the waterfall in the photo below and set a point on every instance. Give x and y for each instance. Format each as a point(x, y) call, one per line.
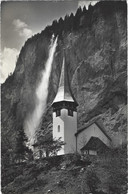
point(33, 120)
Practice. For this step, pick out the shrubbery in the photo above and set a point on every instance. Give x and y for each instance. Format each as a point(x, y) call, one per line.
point(92, 180)
point(117, 168)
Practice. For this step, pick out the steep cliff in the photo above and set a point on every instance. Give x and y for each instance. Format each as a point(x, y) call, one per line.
point(94, 41)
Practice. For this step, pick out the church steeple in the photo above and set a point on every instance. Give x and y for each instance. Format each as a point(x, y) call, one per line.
point(65, 114)
point(64, 93)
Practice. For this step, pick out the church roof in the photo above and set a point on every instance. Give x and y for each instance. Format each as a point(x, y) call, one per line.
point(98, 123)
point(94, 143)
point(64, 93)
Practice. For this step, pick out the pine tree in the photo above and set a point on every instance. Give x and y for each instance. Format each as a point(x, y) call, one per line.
point(60, 26)
point(47, 145)
point(77, 18)
point(71, 20)
point(84, 10)
point(21, 149)
point(55, 25)
point(66, 23)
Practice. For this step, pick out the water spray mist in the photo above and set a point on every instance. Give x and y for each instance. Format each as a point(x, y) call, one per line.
point(32, 122)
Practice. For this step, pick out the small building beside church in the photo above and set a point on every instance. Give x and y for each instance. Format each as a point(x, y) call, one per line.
point(94, 147)
point(92, 138)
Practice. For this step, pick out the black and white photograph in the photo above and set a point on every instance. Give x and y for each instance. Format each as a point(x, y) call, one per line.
point(63, 97)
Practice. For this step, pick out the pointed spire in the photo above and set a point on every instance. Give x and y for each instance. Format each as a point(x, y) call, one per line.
point(63, 93)
point(62, 76)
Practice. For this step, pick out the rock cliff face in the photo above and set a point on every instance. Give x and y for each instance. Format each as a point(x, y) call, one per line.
point(94, 41)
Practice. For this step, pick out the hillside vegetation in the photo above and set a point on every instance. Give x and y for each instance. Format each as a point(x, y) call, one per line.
point(69, 174)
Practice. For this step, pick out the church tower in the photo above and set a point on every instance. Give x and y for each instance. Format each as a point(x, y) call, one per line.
point(65, 114)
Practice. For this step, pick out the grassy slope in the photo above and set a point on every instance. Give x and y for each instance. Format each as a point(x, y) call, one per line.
point(37, 177)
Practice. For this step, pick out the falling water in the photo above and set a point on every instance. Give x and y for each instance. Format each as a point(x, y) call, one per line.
point(32, 122)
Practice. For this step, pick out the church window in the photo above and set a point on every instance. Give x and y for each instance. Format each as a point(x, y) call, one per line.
point(58, 128)
point(70, 112)
point(57, 113)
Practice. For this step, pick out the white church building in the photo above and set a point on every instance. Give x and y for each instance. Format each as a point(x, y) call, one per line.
point(65, 114)
point(88, 139)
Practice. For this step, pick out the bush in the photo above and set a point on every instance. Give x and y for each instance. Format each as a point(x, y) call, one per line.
point(117, 169)
point(92, 180)
point(28, 185)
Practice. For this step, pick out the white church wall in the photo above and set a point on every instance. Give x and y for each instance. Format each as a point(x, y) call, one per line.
point(86, 134)
point(70, 130)
point(59, 121)
point(92, 152)
point(68, 127)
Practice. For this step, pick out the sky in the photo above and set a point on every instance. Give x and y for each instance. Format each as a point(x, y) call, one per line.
point(22, 19)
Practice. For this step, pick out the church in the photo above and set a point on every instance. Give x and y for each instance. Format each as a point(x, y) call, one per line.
point(88, 140)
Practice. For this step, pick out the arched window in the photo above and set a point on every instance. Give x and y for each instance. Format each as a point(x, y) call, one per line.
point(58, 113)
point(70, 112)
point(58, 128)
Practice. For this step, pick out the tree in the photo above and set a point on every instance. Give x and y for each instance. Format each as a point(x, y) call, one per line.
point(71, 20)
point(77, 18)
point(5, 159)
point(78, 13)
point(60, 26)
point(66, 23)
point(84, 10)
point(21, 149)
point(55, 26)
point(49, 146)
point(54, 146)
